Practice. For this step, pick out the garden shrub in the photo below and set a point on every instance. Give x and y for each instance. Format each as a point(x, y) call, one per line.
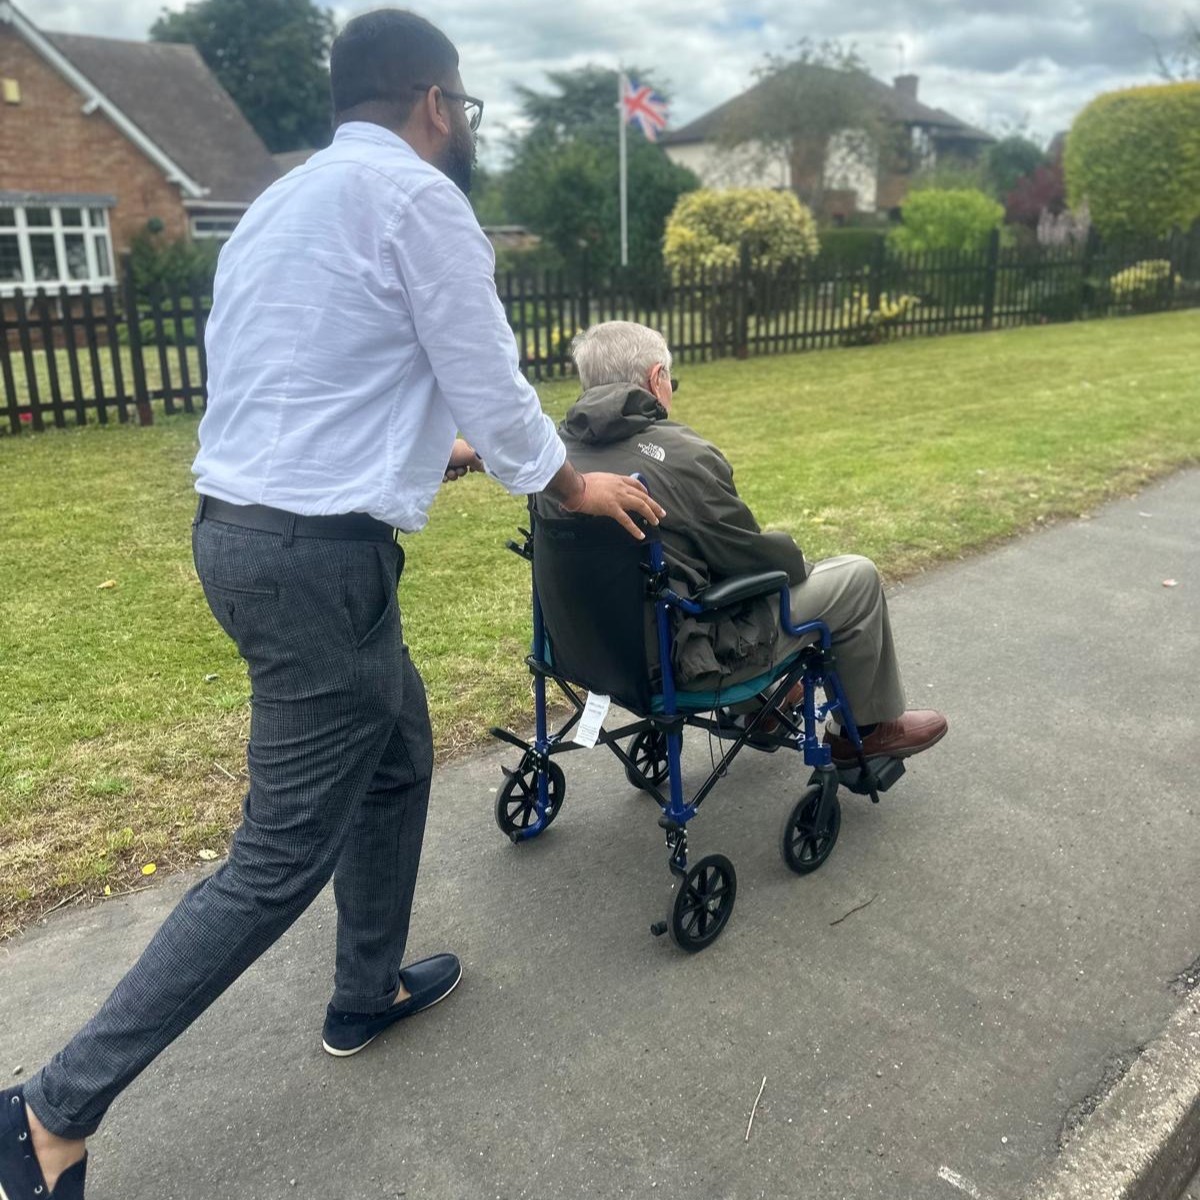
point(1134, 156)
point(865, 326)
point(849, 246)
point(709, 228)
point(1146, 284)
point(156, 262)
point(957, 219)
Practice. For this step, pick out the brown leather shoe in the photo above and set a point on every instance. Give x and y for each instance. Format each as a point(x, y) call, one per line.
point(909, 734)
point(770, 723)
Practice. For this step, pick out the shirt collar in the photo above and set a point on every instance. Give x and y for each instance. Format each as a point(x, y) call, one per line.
point(368, 131)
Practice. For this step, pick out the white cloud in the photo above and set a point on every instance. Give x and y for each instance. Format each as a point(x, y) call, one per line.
point(991, 62)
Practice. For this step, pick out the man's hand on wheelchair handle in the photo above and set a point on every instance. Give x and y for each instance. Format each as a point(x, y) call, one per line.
point(616, 496)
point(462, 459)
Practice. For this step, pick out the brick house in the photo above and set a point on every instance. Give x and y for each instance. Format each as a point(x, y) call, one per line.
point(854, 180)
point(98, 137)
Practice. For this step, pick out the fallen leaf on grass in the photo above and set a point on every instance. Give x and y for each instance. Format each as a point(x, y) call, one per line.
point(149, 868)
point(210, 678)
point(108, 583)
point(208, 855)
point(107, 890)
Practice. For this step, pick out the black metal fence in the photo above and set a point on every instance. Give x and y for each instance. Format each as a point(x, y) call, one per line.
point(114, 354)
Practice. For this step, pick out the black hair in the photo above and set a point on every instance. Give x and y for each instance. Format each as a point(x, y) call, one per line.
point(382, 56)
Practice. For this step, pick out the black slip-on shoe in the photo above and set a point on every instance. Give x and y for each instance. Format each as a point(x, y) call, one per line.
point(428, 982)
point(20, 1176)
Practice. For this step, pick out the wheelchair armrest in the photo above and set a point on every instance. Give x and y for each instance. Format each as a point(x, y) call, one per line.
point(740, 587)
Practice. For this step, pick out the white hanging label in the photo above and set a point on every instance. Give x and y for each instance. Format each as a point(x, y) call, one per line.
point(590, 724)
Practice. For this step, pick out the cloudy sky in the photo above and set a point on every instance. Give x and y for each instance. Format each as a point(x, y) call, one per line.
point(994, 63)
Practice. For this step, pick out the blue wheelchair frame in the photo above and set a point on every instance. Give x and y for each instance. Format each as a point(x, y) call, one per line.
point(813, 663)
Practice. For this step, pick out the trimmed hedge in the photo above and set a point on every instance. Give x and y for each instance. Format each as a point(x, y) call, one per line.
point(851, 245)
point(1134, 156)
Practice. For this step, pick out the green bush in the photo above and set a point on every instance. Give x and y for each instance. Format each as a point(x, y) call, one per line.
point(953, 219)
point(536, 260)
point(1134, 156)
point(849, 246)
point(157, 262)
point(708, 229)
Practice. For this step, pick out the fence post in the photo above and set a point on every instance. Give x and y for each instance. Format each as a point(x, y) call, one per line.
point(991, 274)
point(585, 287)
point(875, 270)
point(133, 322)
point(741, 343)
point(1091, 245)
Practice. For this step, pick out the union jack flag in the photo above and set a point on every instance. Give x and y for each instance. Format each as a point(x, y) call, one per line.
point(642, 106)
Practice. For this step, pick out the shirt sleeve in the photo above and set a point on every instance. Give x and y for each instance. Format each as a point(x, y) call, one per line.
point(446, 266)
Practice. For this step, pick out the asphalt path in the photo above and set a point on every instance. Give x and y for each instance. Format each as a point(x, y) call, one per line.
point(1030, 892)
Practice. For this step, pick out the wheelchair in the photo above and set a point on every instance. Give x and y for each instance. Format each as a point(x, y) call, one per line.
point(602, 601)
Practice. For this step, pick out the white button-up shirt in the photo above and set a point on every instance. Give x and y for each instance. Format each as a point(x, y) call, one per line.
point(355, 329)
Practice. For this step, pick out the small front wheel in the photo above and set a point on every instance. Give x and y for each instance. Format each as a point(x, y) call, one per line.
point(651, 765)
point(703, 903)
point(808, 840)
point(516, 805)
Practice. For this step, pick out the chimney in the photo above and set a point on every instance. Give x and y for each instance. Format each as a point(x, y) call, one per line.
point(906, 85)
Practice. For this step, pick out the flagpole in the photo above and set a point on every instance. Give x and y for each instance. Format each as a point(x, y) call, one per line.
point(624, 181)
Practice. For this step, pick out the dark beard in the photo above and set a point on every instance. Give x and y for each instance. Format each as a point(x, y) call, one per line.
point(459, 160)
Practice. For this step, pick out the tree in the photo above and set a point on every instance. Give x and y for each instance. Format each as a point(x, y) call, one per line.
point(1007, 160)
point(1134, 156)
point(1182, 61)
point(816, 108)
point(1042, 190)
point(563, 179)
point(271, 56)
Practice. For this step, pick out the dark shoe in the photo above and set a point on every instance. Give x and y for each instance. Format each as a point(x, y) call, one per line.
point(908, 735)
point(20, 1176)
point(428, 981)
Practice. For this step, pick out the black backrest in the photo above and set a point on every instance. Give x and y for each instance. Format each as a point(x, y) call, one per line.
point(589, 578)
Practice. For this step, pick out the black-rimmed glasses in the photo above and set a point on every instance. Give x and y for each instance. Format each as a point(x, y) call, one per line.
point(471, 106)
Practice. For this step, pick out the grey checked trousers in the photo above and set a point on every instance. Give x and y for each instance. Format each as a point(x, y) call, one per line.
point(340, 760)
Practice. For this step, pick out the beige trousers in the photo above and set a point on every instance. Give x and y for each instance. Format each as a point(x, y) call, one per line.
point(847, 594)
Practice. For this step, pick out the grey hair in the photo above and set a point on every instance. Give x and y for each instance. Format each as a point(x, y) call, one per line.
point(618, 352)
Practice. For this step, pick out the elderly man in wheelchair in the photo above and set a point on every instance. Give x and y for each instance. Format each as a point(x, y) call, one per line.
point(708, 622)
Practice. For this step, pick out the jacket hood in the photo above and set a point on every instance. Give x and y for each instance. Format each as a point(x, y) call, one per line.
point(611, 413)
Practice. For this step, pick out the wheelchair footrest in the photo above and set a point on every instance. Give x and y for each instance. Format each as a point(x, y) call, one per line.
point(885, 770)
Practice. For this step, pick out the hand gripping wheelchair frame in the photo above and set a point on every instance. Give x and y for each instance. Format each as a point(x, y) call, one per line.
point(592, 584)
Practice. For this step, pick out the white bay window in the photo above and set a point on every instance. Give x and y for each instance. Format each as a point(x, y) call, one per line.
point(54, 242)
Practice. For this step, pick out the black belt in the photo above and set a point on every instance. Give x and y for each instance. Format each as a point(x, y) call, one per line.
point(355, 527)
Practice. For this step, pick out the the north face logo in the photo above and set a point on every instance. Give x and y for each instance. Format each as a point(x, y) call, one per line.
point(650, 450)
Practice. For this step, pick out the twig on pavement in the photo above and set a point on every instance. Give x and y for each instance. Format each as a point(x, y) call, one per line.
point(757, 1098)
point(856, 908)
point(61, 904)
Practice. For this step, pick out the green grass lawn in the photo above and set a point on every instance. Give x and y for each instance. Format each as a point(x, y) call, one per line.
point(124, 708)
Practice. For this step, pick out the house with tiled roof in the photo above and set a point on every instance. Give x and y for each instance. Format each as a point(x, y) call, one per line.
point(100, 138)
point(853, 178)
